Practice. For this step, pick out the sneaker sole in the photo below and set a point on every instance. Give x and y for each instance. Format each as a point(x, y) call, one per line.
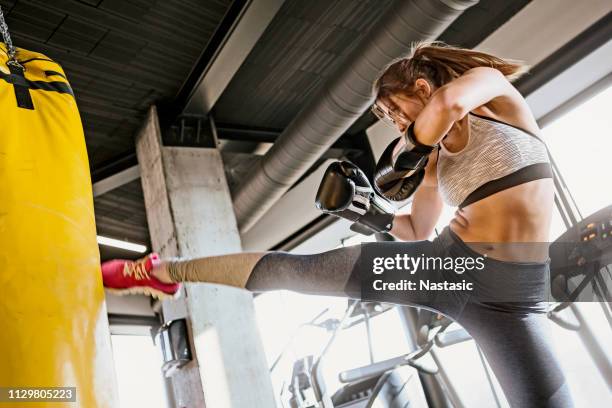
point(143, 290)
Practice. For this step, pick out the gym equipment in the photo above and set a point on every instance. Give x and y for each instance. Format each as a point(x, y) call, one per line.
point(581, 261)
point(581, 271)
point(174, 340)
point(581, 266)
point(301, 388)
point(346, 192)
point(398, 387)
point(432, 329)
point(54, 322)
point(390, 383)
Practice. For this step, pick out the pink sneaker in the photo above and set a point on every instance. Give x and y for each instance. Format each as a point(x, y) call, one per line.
point(124, 277)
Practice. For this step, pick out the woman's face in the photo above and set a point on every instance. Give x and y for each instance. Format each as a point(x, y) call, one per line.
point(401, 110)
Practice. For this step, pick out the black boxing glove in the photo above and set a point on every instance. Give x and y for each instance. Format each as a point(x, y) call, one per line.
point(346, 192)
point(397, 177)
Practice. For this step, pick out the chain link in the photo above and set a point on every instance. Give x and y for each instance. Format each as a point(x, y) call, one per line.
point(6, 37)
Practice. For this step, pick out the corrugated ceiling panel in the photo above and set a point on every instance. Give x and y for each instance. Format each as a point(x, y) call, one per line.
point(303, 45)
point(121, 214)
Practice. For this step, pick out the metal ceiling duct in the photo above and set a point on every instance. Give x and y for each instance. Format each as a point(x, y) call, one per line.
point(341, 101)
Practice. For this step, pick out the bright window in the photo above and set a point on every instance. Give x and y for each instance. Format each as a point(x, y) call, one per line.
point(138, 366)
point(581, 145)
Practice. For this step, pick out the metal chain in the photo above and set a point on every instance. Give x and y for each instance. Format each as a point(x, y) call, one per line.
point(7, 37)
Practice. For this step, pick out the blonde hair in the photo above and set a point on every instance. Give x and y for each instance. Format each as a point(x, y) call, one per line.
point(439, 63)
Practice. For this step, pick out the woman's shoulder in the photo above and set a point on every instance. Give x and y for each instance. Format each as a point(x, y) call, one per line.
point(517, 117)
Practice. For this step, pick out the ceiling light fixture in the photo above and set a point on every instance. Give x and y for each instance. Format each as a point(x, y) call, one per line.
point(121, 244)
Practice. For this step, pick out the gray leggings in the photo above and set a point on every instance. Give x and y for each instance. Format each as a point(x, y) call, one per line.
point(513, 335)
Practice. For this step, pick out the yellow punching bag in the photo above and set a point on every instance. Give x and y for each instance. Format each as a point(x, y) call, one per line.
point(53, 323)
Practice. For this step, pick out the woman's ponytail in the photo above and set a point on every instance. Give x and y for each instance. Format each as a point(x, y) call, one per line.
point(440, 64)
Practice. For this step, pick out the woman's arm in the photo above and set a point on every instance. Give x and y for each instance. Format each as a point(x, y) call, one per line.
point(326, 273)
point(425, 209)
point(420, 223)
point(451, 102)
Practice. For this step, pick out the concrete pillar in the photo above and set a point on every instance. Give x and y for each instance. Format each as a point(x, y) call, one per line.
point(189, 211)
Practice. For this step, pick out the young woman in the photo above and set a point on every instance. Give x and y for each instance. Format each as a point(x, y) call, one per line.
point(487, 160)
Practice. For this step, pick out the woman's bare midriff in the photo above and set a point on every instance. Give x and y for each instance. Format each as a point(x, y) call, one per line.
point(520, 214)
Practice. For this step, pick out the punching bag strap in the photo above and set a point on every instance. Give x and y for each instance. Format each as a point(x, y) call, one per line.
point(22, 90)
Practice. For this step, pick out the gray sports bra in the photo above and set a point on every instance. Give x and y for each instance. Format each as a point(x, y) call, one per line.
point(496, 157)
